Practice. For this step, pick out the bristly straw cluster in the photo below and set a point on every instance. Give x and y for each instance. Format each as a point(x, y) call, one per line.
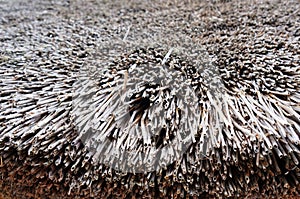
point(138, 114)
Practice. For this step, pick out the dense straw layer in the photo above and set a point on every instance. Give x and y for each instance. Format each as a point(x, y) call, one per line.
point(246, 143)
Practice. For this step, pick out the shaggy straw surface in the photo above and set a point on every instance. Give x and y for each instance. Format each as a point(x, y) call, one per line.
point(253, 45)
